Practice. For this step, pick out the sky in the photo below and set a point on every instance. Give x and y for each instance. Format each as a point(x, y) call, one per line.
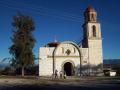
point(63, 20)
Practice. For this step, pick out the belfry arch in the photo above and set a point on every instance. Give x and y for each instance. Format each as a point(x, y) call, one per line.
point(55, 50)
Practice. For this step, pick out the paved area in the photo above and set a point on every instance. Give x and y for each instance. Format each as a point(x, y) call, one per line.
point(71, 83)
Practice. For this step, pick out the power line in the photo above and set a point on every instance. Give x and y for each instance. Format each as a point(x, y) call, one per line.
point(38, 11)
point(44, 8)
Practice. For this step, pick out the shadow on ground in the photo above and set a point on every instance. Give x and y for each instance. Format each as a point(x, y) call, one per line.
point(59, 87)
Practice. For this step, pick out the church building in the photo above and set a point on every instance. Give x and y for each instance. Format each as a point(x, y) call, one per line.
point(73, 59)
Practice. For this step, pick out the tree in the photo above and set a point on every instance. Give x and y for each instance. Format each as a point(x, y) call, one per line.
point(23, 42)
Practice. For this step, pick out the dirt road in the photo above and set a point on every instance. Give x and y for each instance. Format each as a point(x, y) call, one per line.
point(71, 83)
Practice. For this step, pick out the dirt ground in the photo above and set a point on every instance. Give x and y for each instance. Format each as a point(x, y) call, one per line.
point(70, 83)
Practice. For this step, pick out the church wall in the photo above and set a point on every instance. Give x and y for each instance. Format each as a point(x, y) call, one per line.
point(45, 63)
point(95, 52)
point(84, 56)
point(46, 60)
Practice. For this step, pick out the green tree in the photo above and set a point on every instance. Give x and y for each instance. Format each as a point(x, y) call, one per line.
point(23, 42)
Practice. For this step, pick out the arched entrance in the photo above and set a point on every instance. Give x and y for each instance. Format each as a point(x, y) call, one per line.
point(72, 68)
point(68, 68)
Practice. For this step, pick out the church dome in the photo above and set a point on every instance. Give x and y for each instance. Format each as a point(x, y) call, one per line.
point(53, 44)
point(90, 9)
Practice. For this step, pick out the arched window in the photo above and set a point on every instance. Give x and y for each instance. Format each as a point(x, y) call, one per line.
point(94, 30)
point(92, 17)
point(74, 50)
point(62, 50)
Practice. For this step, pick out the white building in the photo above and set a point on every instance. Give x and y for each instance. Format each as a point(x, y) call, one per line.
point(67, 56)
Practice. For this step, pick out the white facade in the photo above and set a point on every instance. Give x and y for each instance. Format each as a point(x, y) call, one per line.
point(68, 57)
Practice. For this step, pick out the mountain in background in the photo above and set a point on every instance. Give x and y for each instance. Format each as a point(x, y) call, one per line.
point(3, 65)
point(111, 61)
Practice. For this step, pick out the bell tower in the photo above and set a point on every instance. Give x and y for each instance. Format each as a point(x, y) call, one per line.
point(91, 27)
point(92, 37)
